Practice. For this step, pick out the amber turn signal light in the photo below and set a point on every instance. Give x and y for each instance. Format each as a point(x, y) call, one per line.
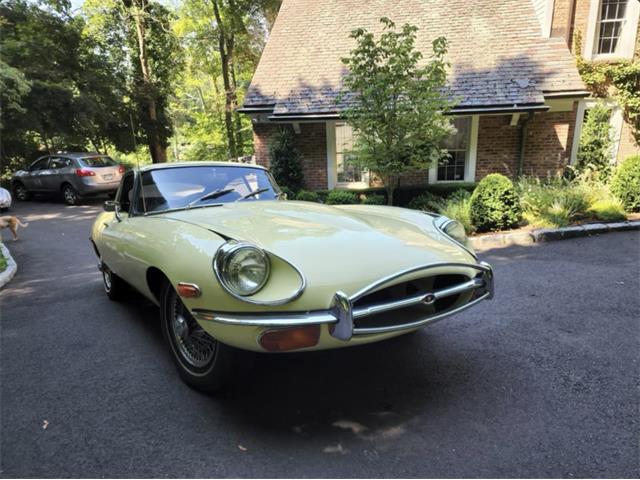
point(283, 340)
point(188, 290)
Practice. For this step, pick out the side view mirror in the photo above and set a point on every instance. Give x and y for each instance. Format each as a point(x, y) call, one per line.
point(283, 196)
point(110, 206)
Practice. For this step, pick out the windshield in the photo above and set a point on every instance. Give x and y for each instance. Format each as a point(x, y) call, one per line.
point(198, 186)
point(97, 162)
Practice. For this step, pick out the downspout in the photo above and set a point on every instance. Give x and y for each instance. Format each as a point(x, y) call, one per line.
point(523, 141)
point(572, 7)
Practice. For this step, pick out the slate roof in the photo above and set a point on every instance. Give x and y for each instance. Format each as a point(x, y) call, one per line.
point(497, 53)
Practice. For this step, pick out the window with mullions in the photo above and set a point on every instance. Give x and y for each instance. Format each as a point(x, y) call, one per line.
point(610, 23)
point(452, 169)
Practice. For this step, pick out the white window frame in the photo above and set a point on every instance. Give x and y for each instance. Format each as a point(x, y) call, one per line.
point(469, 171)
point(616, 123)
point(332, 162)
point(627, 40)
point(470, 161)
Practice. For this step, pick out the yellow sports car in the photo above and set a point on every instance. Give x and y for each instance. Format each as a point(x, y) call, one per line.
point(234, 266)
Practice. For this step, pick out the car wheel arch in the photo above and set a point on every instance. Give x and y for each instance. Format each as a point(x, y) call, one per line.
point(156, 279)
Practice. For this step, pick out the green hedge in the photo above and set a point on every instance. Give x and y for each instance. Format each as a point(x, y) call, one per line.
point(625, 183)
point(495, 204)
point(306, 196)
point(341, 197)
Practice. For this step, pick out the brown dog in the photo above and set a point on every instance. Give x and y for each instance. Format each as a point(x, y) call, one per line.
point(12, 223)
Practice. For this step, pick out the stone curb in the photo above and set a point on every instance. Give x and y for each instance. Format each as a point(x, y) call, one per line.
point(501, 240)
point(11, 269)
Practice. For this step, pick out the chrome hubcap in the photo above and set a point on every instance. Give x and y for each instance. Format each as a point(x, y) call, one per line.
point(21, 193)
point(106, 277)
point(195, 345)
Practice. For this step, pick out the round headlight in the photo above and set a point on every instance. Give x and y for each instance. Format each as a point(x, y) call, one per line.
point(455, 230)
point(242, 269)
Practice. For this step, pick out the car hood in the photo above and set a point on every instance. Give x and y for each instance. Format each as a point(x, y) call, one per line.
point(322, 240)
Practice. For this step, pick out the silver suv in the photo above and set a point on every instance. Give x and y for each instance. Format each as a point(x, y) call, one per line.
point(73, 175)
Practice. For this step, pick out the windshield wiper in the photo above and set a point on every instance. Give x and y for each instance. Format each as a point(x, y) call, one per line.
point(212, 195)
point(254, 193)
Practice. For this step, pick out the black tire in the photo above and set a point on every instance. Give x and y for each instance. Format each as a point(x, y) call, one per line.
point(202, 361)
point(21, 193)
point(70, 195)
point(115, 288)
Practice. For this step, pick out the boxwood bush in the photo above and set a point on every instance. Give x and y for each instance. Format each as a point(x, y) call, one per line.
point(495, 204)
point(341, 197)
point(306, 196)
point(625, 183)
point(374, 200)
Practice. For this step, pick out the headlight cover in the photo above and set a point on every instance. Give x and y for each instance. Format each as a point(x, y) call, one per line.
point(242, 268)
point(454, 230)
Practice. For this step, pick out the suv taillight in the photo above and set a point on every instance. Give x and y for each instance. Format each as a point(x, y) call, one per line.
point(121, 169)
point(82, 172)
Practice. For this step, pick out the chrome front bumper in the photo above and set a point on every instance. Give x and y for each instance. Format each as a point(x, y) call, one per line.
point(342, 314)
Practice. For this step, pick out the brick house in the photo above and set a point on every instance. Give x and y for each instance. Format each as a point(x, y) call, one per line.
point(520, 98)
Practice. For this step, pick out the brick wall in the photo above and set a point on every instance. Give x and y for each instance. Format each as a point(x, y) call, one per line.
point(628, 145)
point(312, 144)
point(579, 19)
point(547, 150)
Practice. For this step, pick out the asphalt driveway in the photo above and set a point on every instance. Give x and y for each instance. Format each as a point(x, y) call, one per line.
point(540, 382)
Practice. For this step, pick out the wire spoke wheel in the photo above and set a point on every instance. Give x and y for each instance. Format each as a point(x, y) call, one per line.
point(70, 195)
point(195, 346)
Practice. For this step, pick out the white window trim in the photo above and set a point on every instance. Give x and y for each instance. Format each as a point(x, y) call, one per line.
point(470, 161)
point(332, 173)
point(627, 39)
point(616, 122)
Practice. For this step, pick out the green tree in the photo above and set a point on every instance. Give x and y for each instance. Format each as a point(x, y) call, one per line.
point(286, 160)
point(136, 38)
point(57, 92)
point(223, 40)
point(596, 141)
point(396, 102)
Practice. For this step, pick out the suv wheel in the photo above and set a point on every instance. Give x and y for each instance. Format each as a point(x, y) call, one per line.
point(21, 192)
point(70, 195)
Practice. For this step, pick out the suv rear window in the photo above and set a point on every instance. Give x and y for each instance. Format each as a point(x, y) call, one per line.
point(97, 162)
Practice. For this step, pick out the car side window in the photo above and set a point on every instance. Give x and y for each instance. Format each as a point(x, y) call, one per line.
point(126, 192)
point(41, 164)
point(57, 163)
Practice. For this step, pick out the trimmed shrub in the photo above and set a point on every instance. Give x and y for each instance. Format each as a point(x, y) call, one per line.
point(286, 160)
point(625, 183)
point(375, 200)
point(610, 210)
point(341, 197)
point(427, 202)
point(306, 196)
point(495, 204)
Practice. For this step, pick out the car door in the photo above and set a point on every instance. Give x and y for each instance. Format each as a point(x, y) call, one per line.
point(33, 180)
point(53, 177)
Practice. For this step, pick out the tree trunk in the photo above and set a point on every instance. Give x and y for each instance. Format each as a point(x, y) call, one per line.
point(229, 97)
point(391, 183)
point(157, 151)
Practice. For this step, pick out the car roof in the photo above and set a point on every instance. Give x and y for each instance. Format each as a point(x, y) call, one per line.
point(162, 166)
point(74, 155)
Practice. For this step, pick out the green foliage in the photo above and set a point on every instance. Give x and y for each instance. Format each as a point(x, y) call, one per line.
point(608, 210)
point(552, 203)
point(619, 79)
point(495, 204)
point(426, 201)
point(286, 160)
point(306, 196)
point(596, 142)
point(3, 262)
point(625, 183)
point(374, 200)
point(458, 207)
point(396, 102)
point(341, 197)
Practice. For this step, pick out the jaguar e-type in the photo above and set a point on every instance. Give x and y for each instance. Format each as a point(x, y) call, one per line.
point(234, 265)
